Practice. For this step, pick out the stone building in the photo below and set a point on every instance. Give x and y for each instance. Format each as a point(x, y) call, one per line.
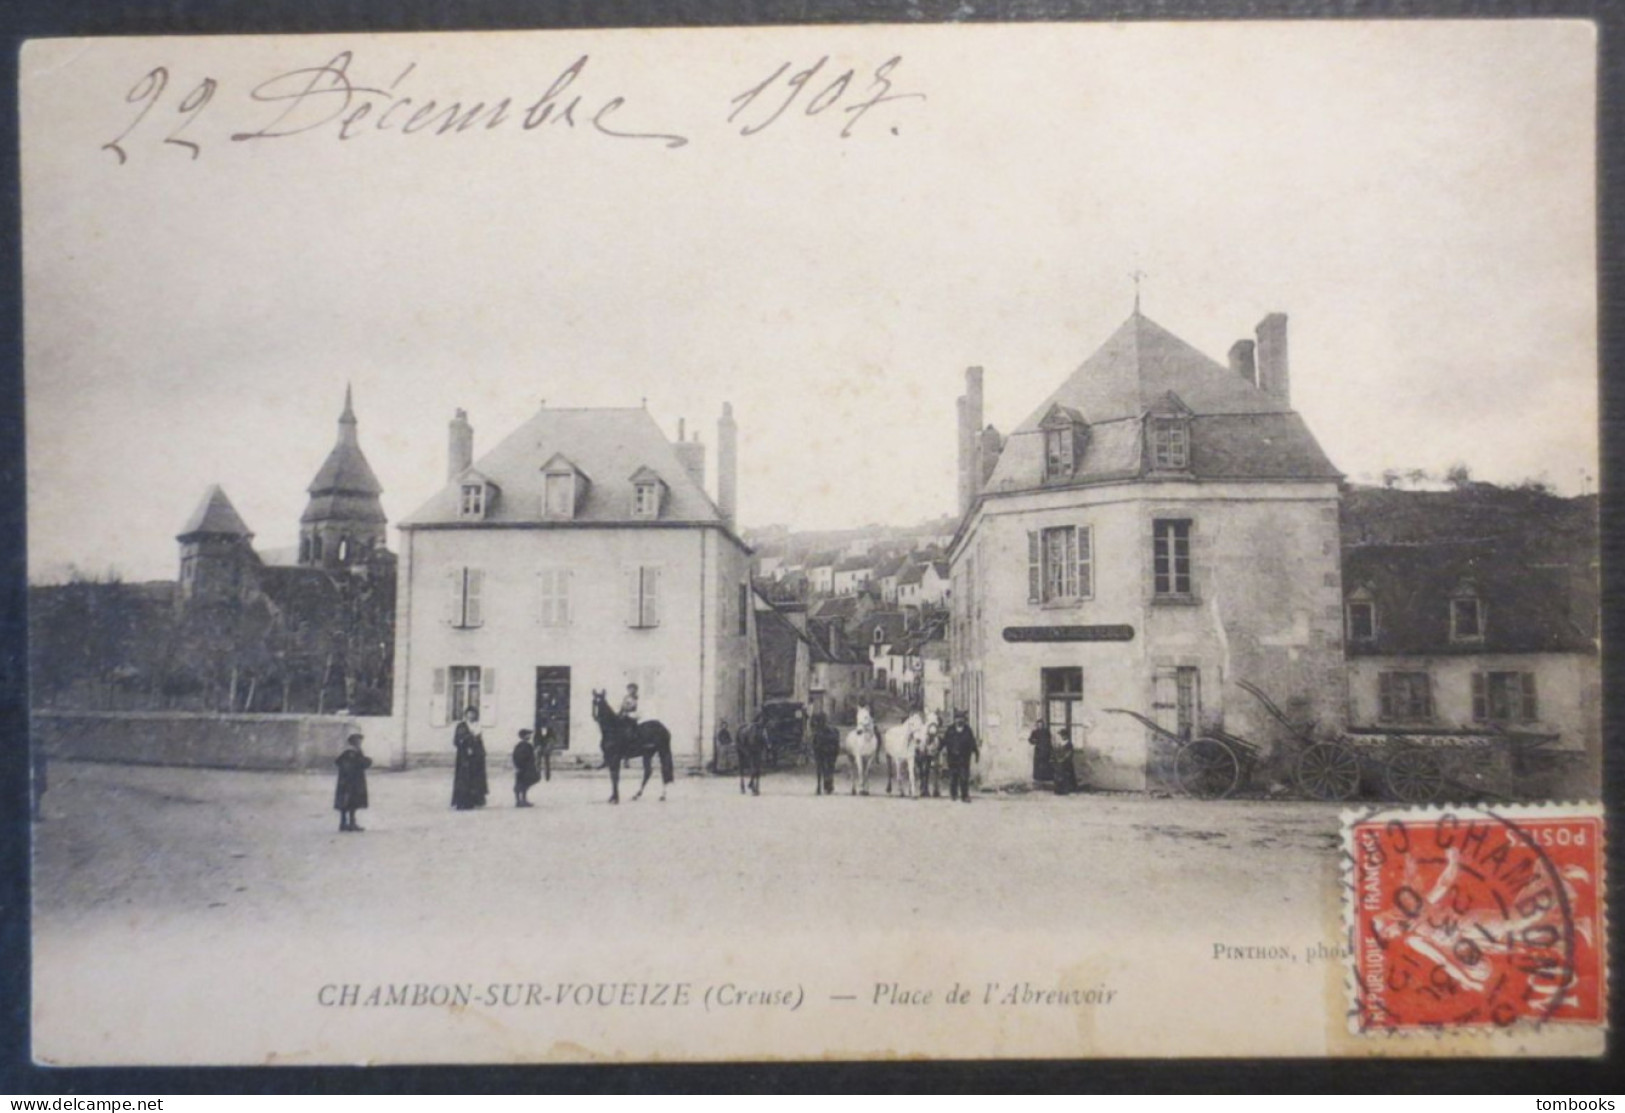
point(1476, 612)
point(580, 553)
point(1159, 528)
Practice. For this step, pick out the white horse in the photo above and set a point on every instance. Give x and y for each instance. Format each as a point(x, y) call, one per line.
point(860, 745)
point(902, 744)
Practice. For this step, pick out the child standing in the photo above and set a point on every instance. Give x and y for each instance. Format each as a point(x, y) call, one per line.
point(351, 793)
point(525, 772)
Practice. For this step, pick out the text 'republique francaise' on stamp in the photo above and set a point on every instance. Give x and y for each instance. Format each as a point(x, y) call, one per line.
point(1475, 917)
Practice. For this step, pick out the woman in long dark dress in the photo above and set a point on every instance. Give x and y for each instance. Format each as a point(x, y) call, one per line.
point(468, 784)
point(1066, 773)
point(350, 795)
point(1043, 749)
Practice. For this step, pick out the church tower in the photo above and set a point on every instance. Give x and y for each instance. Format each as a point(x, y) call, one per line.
point(217, 554)
point(343, 524)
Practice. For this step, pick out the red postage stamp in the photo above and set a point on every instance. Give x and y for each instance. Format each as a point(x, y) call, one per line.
point(1475, 917)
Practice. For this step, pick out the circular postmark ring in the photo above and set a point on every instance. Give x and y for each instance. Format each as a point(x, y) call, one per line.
point(1460, 918)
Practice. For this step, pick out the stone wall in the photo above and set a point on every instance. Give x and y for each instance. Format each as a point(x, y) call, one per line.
point(270, 742)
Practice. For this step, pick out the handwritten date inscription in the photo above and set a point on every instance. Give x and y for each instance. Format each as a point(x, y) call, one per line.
point(329, 99)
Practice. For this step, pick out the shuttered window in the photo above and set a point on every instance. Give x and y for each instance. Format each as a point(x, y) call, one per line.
point(1405, 697)
point(465, 597)
point(1060, 564)
point(553, 586)
point(643, 597)
point(1504, 697)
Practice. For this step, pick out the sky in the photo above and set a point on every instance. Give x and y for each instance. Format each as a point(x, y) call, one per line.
point(1417, 197)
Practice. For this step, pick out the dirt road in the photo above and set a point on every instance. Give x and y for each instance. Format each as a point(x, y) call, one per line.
point(185, 915)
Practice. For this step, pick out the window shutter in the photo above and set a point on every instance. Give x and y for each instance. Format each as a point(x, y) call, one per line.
point(437, 699)
point(453, 614)
point(561, 587)
point(1033, 566)
point(1481, 710)
point(1385, 695)
point(474, 613)
point(488, 697)
point(634, 597)
point(544, 596)
point(1086, 563)
point(651, 597)
point(1531, 711)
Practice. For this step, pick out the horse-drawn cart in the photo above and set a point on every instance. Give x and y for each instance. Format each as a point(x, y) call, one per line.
point(1415, 767)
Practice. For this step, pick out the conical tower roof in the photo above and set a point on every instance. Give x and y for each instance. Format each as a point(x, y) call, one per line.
point(215, 517)
point(346, 469)
point(345, 488)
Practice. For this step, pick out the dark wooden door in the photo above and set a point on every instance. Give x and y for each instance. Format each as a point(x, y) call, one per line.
point(553, 704)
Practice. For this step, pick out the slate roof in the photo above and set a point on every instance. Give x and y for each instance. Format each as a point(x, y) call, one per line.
point(830, 644)
point(893, 626)
point(1237, 431)
point(1526, 607)
point(346, 468)
point(841, 608)
point(607, 445)
point(215, 516)
point(855, 564)
point(913, 574)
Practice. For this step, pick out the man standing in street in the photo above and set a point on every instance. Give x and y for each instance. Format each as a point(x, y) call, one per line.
point(960, 745)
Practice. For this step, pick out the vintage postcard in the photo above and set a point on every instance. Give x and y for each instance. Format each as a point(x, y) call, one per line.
point(963, 542)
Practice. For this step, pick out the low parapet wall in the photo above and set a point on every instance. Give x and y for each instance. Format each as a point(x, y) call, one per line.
point(281, 742)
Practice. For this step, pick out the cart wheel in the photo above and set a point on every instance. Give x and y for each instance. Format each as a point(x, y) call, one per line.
point(1329, 771)
point(1415, 777)
point(1207, 768)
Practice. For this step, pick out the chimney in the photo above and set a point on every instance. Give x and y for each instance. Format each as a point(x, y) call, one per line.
point(728, 465)
point(691, 454)
point(963, 494)
point(970, 443)
point(1241, 361)
point(1274, 378)
point(460, 449)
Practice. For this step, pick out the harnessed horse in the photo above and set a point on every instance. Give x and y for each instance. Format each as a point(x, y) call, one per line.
point(901, 744)
point(860, 745)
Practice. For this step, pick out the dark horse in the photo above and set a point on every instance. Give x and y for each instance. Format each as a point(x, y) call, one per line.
point(622, 739)
point(750, 745)
point(826, 747)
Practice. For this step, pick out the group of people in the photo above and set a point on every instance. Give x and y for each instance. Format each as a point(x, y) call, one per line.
point(1053, 759)
point(532, 761)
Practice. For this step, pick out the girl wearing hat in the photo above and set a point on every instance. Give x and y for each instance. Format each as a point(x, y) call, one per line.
point(350, 795)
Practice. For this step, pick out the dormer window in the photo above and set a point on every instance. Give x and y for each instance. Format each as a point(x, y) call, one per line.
point(648, 490)
point(560, 498)
point(1058, 453)
point(472, 503)
point(646, 500)
point(1362, 617)
point(1170, 443)
point(1466, 620)
point(1065, 436)
point(564, 487)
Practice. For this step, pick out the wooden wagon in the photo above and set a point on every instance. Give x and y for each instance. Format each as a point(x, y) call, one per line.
point(1414, 767)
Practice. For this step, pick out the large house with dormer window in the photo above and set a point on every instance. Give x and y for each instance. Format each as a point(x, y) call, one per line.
point(1161, 527)
point(581, 553)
